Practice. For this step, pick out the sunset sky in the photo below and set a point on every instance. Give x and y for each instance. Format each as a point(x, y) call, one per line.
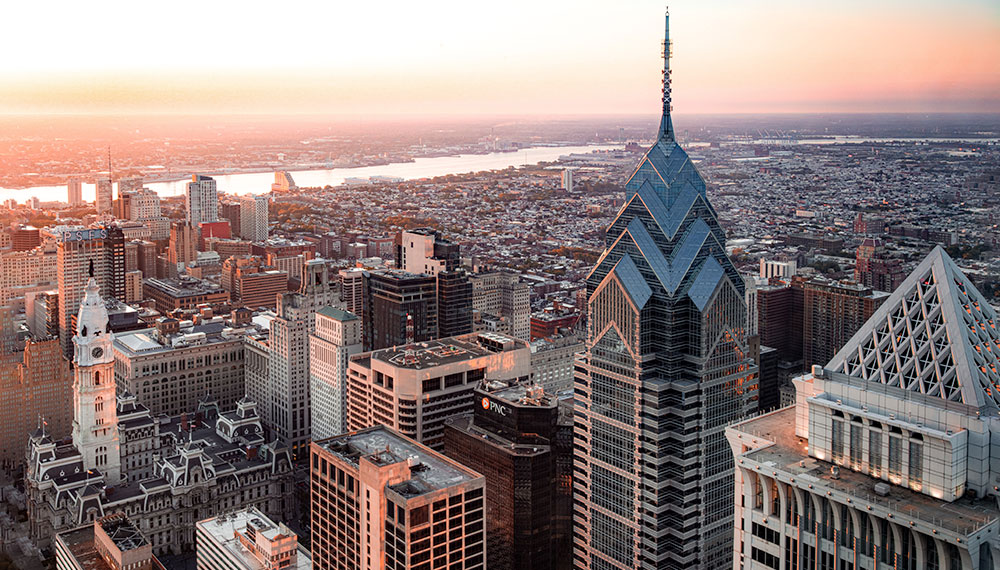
point(516, 57)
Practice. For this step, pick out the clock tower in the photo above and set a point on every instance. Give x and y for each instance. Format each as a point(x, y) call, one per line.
point(95, 417)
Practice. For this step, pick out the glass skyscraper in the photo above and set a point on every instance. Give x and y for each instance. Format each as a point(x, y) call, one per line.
point(667, 368)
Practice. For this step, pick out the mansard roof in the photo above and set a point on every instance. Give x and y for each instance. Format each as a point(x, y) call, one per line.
point(935, 335)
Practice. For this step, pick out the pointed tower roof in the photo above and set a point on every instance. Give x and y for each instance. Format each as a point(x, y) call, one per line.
point(93, 315)
point(935, 335)
point(666, 167)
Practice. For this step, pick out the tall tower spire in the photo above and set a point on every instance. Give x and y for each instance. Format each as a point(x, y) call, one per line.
point(666, 125)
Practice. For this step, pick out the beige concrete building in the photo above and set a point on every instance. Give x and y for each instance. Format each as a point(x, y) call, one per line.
point(381, 500)
point(414, 388)
point(337, 337)
point(133, 286)
point(170, 367)
point(248, 540)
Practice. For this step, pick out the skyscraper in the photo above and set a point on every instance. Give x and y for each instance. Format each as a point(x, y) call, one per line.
point(401, 308)
point(521, 441)
point(832, 312)
point(287, 400)
point(666, 368)
point(104, 196)
point(201, 200)
point(74, 192)
point(337, 336)
point(182, 244)
point(413, 389)
point(454, 303)
point(253, 217)
point(83, 253)
point(888, 458)
point(381, 500)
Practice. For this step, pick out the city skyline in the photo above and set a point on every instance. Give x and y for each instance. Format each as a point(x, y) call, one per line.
point(776, 56)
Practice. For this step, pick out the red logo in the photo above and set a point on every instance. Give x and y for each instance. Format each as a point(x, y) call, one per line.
point(486, 403)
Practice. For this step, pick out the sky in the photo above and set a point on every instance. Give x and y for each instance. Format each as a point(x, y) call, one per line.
point(520, 57)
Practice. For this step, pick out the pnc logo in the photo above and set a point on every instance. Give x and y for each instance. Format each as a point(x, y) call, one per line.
point(495, 407)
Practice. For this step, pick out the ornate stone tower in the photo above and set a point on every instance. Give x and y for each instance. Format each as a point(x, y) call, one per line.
point(95, 419)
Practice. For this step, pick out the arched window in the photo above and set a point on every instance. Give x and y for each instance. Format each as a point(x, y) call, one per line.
point(97, 378)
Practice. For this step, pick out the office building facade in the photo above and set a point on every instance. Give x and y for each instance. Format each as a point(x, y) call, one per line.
point(381, 500)
point(401, 308)
point(104, 196)
point(888, 457)
point(74, 192)
point(253, 216)
point(35, 387)
point(415, 389)
point(666, 368)
point(336, 338)
point(522, 445)
point(83, 253)
point(201, 200)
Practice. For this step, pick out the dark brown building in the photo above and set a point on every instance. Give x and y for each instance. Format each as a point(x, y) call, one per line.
point(520, 439)
point(832, 312)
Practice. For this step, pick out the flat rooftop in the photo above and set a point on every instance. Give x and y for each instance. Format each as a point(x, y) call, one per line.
point(429, 471)
point(179, 288)
point(521, 394)
point(80, 542)
point(222, 529)
point(144, 342)
point(431, 353)
point(123, 533)
point(788, 454)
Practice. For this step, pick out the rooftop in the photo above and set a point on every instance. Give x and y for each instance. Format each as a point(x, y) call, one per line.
point(187, 287)
point(122, 532)
point(446, 350)
point(520, 394)
point(429, 471)
point(223, 529)
point(337, 314)
point(147, 341)
point(80, 542)
point(788, 454)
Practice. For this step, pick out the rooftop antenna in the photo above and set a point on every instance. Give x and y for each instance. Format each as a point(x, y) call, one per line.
point(666, 125)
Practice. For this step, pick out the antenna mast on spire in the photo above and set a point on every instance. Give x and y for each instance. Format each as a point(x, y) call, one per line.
point(666, 125)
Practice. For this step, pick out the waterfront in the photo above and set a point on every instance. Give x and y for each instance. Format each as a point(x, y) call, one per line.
point(260, 182)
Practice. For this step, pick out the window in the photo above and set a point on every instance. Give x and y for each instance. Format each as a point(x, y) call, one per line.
point(837, 442)
point(916, 465)
point(895, 459)
point(875, 453)
point(419, 516)
point(857, 446)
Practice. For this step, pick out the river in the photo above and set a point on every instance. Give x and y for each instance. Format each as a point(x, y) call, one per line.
point(260, 182)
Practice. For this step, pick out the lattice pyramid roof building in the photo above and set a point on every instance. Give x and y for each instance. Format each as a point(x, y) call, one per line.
point(935, 335)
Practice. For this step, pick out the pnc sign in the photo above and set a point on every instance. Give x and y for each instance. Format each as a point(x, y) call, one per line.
point(495, 407)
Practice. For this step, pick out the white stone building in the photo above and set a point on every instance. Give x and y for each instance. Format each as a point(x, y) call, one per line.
point(889, 457)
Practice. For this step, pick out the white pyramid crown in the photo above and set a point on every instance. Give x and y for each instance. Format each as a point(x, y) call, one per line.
point(935, 335)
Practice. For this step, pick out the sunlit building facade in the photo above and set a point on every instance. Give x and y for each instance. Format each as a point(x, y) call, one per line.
point(666, 369)
point(888, 458)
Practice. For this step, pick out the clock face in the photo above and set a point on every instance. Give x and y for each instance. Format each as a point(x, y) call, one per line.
point(97, 352)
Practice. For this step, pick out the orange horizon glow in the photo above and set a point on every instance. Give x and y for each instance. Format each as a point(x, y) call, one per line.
point(566, 58)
